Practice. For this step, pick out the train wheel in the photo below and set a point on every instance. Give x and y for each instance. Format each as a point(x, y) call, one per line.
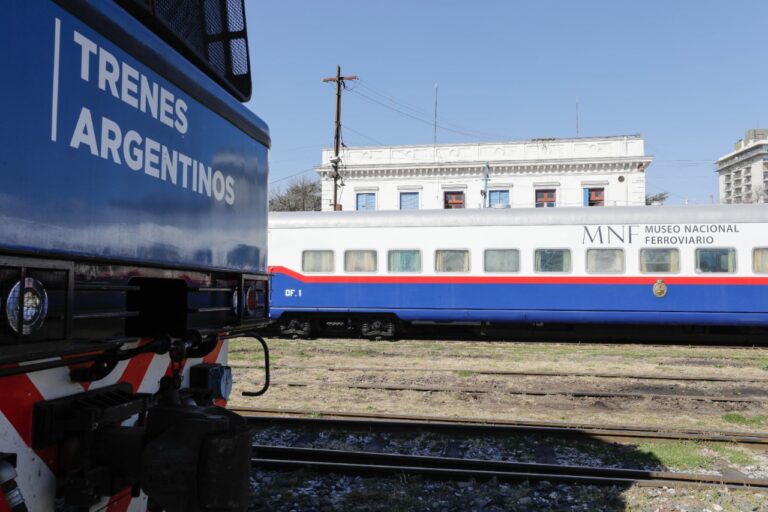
point(378, 329)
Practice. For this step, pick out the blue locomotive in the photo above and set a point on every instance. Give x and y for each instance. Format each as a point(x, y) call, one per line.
point(133, 230)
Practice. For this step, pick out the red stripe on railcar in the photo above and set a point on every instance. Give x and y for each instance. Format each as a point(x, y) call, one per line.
point(454, 279)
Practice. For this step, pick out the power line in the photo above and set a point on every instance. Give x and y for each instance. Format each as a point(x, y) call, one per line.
point(422, 115)
point(291, 176)
point(347, 127)
point(415, 118)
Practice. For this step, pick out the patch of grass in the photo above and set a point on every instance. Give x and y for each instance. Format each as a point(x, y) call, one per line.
point(302, 354)
point(731, 454)
point(677, 454)
point(358, 353)
point(465, 373)
point(739, 419)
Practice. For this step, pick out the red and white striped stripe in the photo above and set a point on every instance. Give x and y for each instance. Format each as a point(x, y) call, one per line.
point(20, 392)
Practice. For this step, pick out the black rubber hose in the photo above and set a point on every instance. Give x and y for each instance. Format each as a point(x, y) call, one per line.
point(258, 338)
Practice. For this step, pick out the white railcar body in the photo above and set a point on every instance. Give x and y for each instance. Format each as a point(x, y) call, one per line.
point(702, 265)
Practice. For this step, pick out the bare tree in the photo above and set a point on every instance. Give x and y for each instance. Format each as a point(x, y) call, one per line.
point(656, 198)
point(758, 194)
point(302, 195)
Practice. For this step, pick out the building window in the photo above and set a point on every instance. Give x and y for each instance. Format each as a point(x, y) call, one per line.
point(553, 260)
point(317, 261)
point(404, 261)
point(452, 261)
point(546, 198)
point(605, 261)
point(715, 260)
point(366, 201)
point(502, 260)
point(409, 200)
point(498, 198)
point(360, 261)
point(594, 197)
point(454, 200)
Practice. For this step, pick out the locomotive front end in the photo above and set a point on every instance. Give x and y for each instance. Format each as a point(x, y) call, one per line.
point(132, 247)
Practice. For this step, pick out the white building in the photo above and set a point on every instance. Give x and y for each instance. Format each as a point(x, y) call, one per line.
point(590, 171)
point(743, 173)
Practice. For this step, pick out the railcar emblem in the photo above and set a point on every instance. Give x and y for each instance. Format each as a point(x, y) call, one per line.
point(660, 288)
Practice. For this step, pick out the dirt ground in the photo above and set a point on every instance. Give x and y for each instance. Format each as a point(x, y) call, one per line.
point(310, 362)
point(326, 366)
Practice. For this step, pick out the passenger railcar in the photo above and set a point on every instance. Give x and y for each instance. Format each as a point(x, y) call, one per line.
point(133, 230)
point(619, 271)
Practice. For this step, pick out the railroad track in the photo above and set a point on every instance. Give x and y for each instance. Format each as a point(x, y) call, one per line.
point(736, 345)
point(333, 420)
point(516, 373)
point(361, 463)
point(530, 392)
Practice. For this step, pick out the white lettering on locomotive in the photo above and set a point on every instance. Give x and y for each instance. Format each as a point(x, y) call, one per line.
point(106, 139)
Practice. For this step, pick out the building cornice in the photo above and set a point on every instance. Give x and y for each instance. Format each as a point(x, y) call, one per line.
point(509, 168)
point(550, 150)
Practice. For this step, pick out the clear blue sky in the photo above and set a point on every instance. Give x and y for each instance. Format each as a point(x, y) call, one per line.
point(689, 76)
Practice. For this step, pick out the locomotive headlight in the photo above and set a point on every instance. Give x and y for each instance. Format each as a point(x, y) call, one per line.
point(33, 299)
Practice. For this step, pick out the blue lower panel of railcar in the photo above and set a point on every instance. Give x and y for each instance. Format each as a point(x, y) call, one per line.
point(700, 304)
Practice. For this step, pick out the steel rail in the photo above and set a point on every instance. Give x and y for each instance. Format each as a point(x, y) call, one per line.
point(518, 373)
point(465, 427)
point(374, 463)
point(531, 392)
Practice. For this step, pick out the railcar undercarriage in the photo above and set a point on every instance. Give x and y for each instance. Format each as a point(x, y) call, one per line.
point(389, 327)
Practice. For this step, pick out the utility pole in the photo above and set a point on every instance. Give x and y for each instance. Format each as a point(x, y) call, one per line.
point(486, 179)
point(337, 137)
point(435, 133)
point(577, 118)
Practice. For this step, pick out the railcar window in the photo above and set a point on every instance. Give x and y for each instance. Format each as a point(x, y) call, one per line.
point(760, 260)
point(605, 261)
point(404, 261)
point(360, 261)
point(451, 261)
point(716, 260)
point(656, 261)
point(317, 261)
point(502, 260)
point(553, 260)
